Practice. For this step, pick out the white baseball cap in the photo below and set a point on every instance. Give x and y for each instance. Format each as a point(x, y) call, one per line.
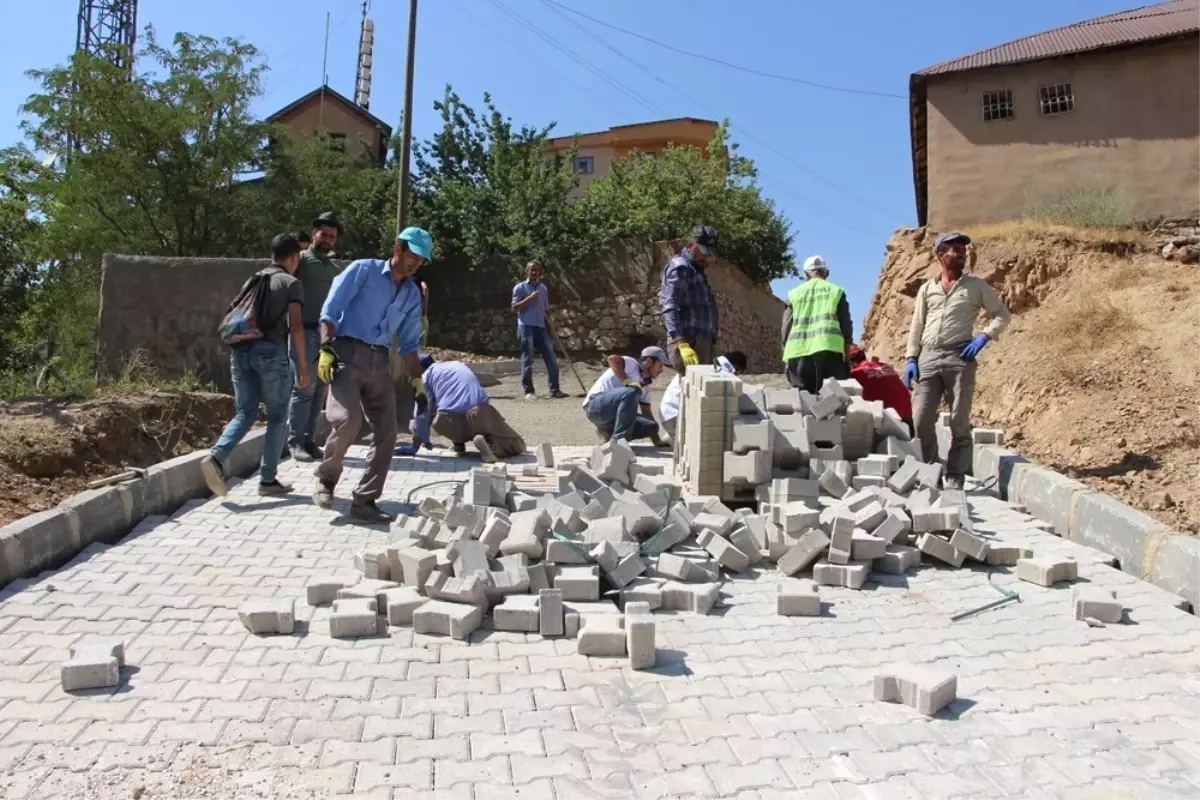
point(657, 353)
point(814, 263)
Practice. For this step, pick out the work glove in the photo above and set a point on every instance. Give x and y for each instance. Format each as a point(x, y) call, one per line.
point(632, 384)
point(327, 364)
point(418, 387)
point(690, 359)
point(911, 373)
point(972, 348)
point(406, 450)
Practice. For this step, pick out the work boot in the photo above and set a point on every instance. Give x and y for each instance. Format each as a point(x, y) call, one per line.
point(530, 396)
point(658, 441)
point(300, 454)
point(367, 511)
point(559, 395)
point(952, 482)
point(460, 449)
point(273, 489)
point(214, 476)
point(323, 495)
point(485, 450)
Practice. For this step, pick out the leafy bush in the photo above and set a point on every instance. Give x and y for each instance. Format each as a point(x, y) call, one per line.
point(1091, 207)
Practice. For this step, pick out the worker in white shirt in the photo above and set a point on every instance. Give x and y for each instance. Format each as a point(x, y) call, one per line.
point(618, 403)
point(668, 409)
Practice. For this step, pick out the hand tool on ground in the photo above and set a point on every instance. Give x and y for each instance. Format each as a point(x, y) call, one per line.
point(1009, 597)
point(130, 473)
point(570, 363)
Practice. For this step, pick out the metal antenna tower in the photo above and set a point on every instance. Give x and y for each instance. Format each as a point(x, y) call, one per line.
point(107, 28)
point(366, 50)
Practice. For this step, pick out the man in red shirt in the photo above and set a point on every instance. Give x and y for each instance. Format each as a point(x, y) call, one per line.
point(880, 382)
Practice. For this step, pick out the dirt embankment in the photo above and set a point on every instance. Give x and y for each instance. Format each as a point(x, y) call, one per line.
point(1097, 376)
point(50, 451)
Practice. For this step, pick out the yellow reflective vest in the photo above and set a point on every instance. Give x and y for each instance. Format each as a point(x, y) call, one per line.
point(815, 327)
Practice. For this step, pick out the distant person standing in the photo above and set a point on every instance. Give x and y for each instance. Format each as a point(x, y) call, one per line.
point(260, 369)
point(689, 309)
point(941, 351)
point(315, 273)
point(531, 301)
point(816, 329)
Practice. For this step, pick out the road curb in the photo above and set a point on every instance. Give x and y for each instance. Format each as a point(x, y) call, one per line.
point(1142, 545)
point(50, 538)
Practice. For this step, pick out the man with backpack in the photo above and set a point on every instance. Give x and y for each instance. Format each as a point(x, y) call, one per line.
point(371, 303)
point(256, 326)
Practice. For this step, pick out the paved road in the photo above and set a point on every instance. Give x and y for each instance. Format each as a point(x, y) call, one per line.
point(744, 703)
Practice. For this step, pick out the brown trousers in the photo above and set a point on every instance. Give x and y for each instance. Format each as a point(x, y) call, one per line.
point(703, 346)
point(945, 374)
point(363, 387)
point(482, 420)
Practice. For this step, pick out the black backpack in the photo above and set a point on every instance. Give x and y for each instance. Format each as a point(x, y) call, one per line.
point(243, 321)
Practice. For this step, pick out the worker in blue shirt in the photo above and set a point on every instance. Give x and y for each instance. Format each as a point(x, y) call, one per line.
point(459, 409)
point(369, 303)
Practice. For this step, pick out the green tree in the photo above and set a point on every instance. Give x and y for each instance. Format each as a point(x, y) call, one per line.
point(20, 247)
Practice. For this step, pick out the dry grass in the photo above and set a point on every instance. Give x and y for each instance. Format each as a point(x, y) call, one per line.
point(1021, 229)
point(1087, 327)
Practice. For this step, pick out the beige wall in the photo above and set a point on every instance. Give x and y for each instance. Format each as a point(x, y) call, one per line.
point(602, 158)
point(335, 118)
point(1135, 127)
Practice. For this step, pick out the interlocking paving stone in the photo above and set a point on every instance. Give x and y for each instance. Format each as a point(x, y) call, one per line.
point(743, 702)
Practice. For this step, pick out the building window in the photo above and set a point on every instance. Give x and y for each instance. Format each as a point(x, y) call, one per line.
point(1057, 99)
point(584, 165)
point(998, 105)
point(337, 141)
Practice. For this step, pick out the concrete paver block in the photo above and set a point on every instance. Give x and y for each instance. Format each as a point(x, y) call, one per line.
point(699, 598)
point(1097, 603)
point(644, 590)
point(628, 569)
point(366, 589)
point(401, 603)
point(875, 465)
point(748, 469)
point(373, 563)
point(935, 518)
point(511, 580)
point(833, 484)
point(472, 589)
point(456, 620)
point(797, 598)
point(558, 552)
point(432, 508)
point(942, 550)
point(468, 557)
point(95, 663)
point(905, 478)
point(898, 560)
point(527, 533)
point(870, 516)
point(895, 524)
point(852, 575)
point(412, 565)
point(926, 689)
point(973, 545)
point(607, 529)
point(323, 590)
point(539, 577)
point(674, 566)
point(495, 531)
point(865, 547)
point(726, 554)
point(545, 455)
point(604, 555)
point(519, 501)
point(1006, 555)
point(640, 639)
point(550, 612)
point(751, 435)
point(354, 617)
point(748, 544)
point(268, 616)
point(1047, 571)
point(798, 516)
point(811, 544)
point(518, 613)
point(601, 635)
point(580, 583)
point(717, 523)
point(841, 547)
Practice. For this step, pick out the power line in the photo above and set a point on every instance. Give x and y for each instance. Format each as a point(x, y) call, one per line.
point(745, 132)
point(738, 67)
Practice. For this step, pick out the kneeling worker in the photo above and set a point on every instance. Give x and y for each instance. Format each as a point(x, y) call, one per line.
point(880, 382)
point(733, 362)
point(457, 407)
point(618, 403)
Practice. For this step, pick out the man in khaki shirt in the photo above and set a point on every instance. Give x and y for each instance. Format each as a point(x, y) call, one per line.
point(942, 347)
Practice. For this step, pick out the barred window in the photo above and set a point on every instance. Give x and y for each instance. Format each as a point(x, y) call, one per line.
point(998, 105)
point(1057, 99)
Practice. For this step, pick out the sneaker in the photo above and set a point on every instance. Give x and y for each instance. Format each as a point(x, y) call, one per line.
point(315, 452)
point(559, 395)
point(323, 496)
point(369, 512)
point(214, 476)
point(301, 455)
point(485, 450)
point(273, 489)
point(530, 396)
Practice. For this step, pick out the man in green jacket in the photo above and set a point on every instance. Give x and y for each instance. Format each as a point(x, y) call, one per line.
point(817, 329)
point(315, 273)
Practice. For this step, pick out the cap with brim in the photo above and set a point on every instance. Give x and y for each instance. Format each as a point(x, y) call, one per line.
point(426, 361)
point(418, 240)
point(657, 353)
point(705, 239)
point(328, 219)
point(951, 237)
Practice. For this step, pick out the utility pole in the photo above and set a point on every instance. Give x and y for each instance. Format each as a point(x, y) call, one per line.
point(324, 76)
point(406, 129)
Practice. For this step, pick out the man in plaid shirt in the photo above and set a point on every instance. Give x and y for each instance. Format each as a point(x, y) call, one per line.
point(689, 309)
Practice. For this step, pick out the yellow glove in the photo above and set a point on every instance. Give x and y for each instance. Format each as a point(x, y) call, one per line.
point(418, 387)
point(690, 359)
point(326, 362)
point(632, 383)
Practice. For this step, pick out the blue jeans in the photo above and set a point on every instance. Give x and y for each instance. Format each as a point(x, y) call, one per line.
point(306, 404)
point(260, 372)
point(617, 410)
point(534, 339)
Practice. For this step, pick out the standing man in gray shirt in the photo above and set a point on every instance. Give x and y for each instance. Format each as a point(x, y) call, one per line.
point(942, 346)
point(315, 273)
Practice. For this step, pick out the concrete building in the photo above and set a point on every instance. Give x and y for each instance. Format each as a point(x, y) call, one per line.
point(325, 108)
point(1106, 104)
point(598, 150)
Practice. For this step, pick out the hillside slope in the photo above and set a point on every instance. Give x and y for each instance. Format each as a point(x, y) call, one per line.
point(1098, 374)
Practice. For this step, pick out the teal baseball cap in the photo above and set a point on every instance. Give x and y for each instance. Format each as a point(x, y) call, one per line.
point(419, 241)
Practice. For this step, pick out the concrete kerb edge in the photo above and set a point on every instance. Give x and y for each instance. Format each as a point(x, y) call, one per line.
point(51, 538)
point(1142, 546)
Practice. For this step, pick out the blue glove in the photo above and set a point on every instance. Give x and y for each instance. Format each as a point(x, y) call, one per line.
point(911, 373)
point(406, 450)
point(972, 348)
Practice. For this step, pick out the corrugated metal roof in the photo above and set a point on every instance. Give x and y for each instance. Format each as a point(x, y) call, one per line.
point(1126, 27)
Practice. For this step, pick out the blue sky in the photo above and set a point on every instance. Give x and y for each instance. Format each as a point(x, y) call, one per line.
point(837, 164)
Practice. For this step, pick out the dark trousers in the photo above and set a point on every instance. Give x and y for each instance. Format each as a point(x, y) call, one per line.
point(809, 372)
point(703, 345)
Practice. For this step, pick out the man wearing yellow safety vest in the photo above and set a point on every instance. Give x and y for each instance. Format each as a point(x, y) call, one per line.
point(817, 330)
